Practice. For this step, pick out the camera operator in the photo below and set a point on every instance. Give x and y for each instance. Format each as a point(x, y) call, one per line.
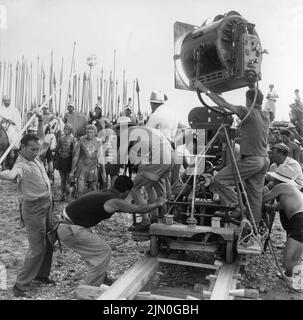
point(253, 162)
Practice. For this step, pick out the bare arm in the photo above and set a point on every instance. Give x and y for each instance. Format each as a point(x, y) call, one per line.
point(11, 174)
point(239, 110)
point(121, 205)
point(75, 156)
point(272, 194)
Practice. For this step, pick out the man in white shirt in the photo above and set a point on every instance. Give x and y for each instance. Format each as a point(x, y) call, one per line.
point(279, 157)
point(12, 116)
point(270, 104)
point(162, 117)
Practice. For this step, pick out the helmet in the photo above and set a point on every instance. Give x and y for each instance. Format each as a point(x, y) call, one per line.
point(157, 97)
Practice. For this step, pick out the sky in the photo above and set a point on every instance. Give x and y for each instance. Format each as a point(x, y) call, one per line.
point(141, 32)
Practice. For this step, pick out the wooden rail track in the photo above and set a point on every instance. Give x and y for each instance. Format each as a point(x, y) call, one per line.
point(223, 284)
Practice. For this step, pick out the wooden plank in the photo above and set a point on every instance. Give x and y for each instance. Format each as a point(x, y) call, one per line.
point(150, 296)
point(177, 230)
point(225, 282)
point(188, 263)
point(86, 292)
point(180, 293)
point(191, 246)
point(133, 280)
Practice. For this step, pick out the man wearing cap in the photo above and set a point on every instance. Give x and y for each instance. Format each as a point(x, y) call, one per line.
point(253, 162)
point(279, 157)
point(290, 204)
point(162, 117)
point(76, 119)
point(294, 149)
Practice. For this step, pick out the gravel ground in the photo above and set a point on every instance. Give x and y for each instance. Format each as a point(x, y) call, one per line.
point(69, 269)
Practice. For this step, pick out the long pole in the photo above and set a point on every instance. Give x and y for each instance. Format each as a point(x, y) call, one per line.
point(51, 82)
point(60, 91)
point(38, 80)
point(71, 71)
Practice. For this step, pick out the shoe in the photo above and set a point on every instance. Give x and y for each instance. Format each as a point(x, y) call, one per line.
point(139, 227)
point(20, 293)
point(294, 282)
point(249, 246)
point(107, 281)
point(45, 280)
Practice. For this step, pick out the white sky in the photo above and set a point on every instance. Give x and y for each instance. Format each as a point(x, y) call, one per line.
point(142, 34)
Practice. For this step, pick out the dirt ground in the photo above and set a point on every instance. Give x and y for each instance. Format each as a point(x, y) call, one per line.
point(69, 269)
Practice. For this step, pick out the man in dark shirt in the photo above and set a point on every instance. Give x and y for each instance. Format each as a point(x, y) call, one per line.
point(89, 210)
point(253, 162)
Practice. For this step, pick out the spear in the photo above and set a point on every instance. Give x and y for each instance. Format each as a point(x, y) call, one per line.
point(60, 91)
point(71, 71)
point(134, 85)
point(113, 85)
point(4, 72)
point(7, 78)
point(118, 106)
point(138, 90)
point(38, 80)
point(43, 83)
point(55, 98)
point(101, 84)
point(31, 86)
point(97, 87)
point(105, 97)
point(109, 110)
point(10, 79)
point(83, 92)
point(0, 75)
point(78, 98)
point(51, 82)
point(16, 85)
point(124, 90)
point(116, 97)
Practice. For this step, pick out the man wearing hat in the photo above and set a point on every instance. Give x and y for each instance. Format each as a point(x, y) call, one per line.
point(76, 119)
point(290, 204)
point(162, 117)
point(279, 157)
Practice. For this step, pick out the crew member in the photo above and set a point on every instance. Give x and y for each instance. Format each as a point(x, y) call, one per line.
point(253, 162)
point(89, 210)
point(34, 185)
point(279, 157)
point(290, 202)
point(162, 117)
